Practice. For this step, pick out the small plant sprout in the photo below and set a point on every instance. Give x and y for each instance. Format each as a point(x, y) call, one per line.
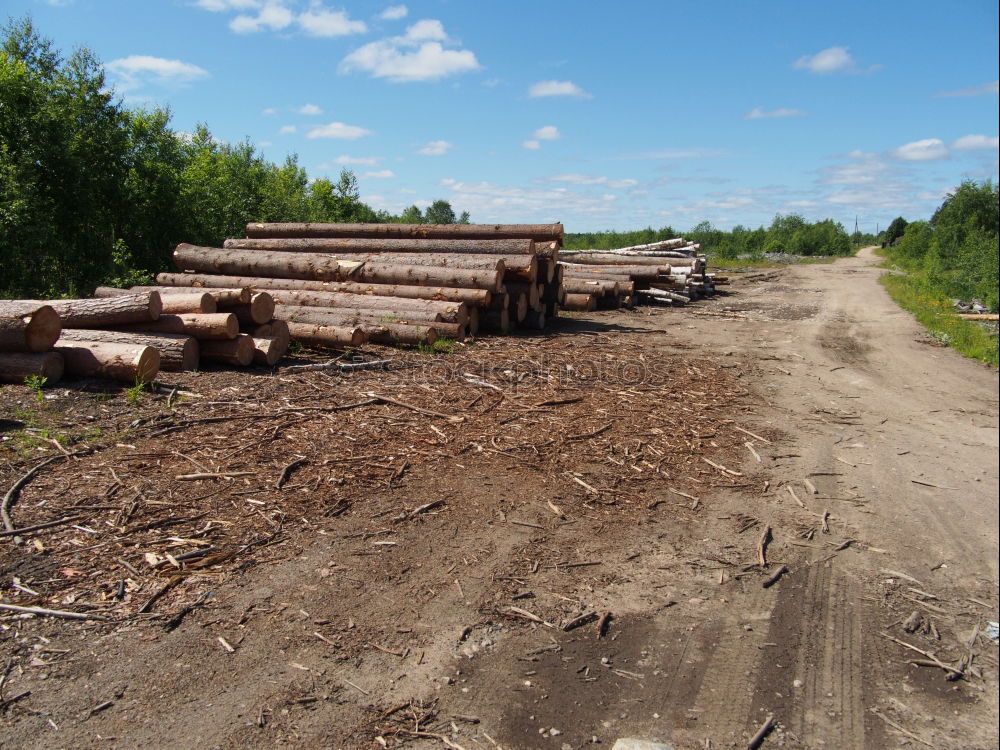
point(36, 383)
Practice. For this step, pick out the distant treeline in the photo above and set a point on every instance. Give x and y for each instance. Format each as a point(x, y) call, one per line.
point(955, 253)
point(789, 234)
point(91, 191)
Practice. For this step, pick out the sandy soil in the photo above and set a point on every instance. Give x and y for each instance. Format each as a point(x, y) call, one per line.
point(416, 579)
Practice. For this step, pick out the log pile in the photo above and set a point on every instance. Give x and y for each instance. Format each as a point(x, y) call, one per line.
point(393, 283)
point(670, 272)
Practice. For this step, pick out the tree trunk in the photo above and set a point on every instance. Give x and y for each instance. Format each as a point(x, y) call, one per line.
point(321, 267)
point(203, 326)
point(602, 287)
point(28, 326)
point(540, 232)
point(375, 246)
point(529, 290)
point(635, 272)
point(177, 351)
point(480, 297)
point(318, 335)
point(346, 315)
point(267, 350)
point(237, 351)
point(379, 331)
point(273, 329)
point(189, 302)
point(257, 311)
point(580, 302)
point(518, 307)
point(107, 311)
point(16, 366)
point(223, 295)
point(129, 363)
point(452, 312)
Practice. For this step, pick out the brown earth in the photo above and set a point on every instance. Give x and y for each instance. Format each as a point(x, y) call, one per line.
point(410, 580)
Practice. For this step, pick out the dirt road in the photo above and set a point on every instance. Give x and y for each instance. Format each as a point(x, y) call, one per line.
point(435, 609)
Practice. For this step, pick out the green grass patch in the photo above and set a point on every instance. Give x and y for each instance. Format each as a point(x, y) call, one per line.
point(934, 311)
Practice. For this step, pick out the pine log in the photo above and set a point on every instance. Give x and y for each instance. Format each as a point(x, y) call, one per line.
point(129, 363)
point(28, 326)
point(518, 307)
point(452, 312)
point(546, 270)
point(551, 310)
point(192, 301)
point(238, 351)
point(496, 321)
point(203, 326)
point(663, 294)
point(607, 276)
point(472, 326)
point(103, 312)
point(444, 260)
point(257, 311)
point(538, 232)
point(268, 350)
point(480, 297)
point(380, 331)
point(635, 272)
point(548, 250)
point(374, 246)
point(610, 259)
point(321, 267)
point(602, 287)
point(16, 366)
point(580, 302)
point(354, 316)
point(500, 301)
point(326, 335)
point(223, 295)
point(273, 329)
point(177, 351)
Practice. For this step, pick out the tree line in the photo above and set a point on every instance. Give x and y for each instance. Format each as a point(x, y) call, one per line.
point(92, 191)
point(791, 234)
point(955, 253)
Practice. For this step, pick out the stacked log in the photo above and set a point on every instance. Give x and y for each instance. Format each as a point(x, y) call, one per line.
point(205, 325)
point(396, 283)
point(670, 272)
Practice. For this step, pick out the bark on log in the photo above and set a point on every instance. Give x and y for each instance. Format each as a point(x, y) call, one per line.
point(495, 321)
point(374, 246)
point(382, 332)
point(321, 267)
point(188, 302)
point(237, 351)
point(539, 232)
point(452, 312)
point(103, 312)
point(257, 311)
point(28, 326)
point(546, 270)
point(203, 326)
point(635, 272)
point(128, 363)
point(610, 259)
point(268, 350)
point(347, 315)
point(479, 297)
point(177, 351)
point(326, 335)
point(580, 302)
point(602, 287)
point(16, 366)
point(273, 329)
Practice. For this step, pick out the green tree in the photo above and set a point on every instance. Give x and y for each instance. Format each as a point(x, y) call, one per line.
point(440, 212)
point(895, 230)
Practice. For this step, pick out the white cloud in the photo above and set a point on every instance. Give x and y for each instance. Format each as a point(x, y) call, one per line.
point(322, 22)
point(287, 129)
point(928, 149)
point(273, 15)
point(557, 88)
point(394, 13)
point(339, 130)
point(436, 148)
point(680, 153)
point(490, 202)
point(309, 109)
point(264, 144)
point(136, 70)
point(976, 143)
point(586, 179)
point(269, 111)
point(364, 161)
point(830, 60)
point(758, 113)
point(531, 145)
point(418, 55)
point(381, 174)
point(547, 133)
point(863, 168)
point(217, 6)
point(993, 87)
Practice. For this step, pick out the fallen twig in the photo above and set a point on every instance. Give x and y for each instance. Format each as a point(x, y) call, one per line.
point(774, 577)
point(765, 537)
point(287, 470)
point(758, 738)
point(42, 611)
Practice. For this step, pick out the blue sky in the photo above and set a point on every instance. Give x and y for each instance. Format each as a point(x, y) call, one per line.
point(600, 115)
